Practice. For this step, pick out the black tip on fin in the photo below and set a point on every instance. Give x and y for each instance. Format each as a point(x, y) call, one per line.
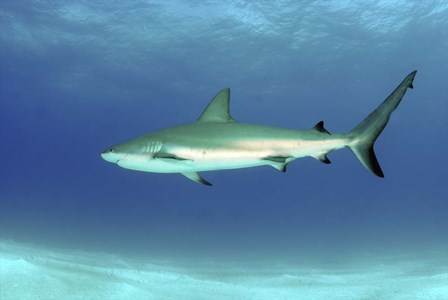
point(324, 159)
point(410, 79)
point(320, 128)
point(195, 176)
point(283, 168)
point(367, 157)
point(374, 164)
point(205, 182)
point(278, 162)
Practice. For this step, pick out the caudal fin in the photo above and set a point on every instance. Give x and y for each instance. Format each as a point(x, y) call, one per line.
point(364, 135)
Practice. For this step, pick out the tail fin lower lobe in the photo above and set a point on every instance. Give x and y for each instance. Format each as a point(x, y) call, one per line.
point(364, 135)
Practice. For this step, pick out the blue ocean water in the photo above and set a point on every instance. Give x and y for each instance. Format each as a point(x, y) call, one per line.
point(79, 76)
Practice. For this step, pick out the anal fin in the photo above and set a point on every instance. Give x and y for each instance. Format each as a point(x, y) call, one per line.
point(323, 158)
point(195, 176)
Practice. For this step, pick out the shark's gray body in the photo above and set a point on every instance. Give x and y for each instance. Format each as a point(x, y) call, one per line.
point(217, 142)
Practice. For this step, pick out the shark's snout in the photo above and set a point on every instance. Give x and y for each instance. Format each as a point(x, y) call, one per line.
point(110, 155)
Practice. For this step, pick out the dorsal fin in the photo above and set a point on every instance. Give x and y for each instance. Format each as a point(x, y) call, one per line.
point(320, 127)
point(218, 109)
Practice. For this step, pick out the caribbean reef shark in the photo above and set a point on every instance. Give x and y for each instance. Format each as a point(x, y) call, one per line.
point(216, 141)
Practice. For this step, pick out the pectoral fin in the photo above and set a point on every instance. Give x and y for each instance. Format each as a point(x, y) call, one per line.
point(195, 176)
point(163, 155)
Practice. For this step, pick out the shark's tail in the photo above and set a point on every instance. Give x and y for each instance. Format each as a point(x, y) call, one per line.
point(364, 135)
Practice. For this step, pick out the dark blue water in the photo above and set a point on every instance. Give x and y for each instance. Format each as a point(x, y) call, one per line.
point(78, 77)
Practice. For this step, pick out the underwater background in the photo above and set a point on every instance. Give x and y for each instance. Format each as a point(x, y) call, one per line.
point(77, 77)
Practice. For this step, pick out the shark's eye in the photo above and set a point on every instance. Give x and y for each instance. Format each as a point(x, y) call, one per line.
point(111, 150)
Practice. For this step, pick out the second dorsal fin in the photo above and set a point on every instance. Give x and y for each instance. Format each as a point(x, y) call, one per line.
point(218, 108)
point(320, 127)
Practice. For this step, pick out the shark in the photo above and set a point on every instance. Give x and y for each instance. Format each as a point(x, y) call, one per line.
point(216, 141)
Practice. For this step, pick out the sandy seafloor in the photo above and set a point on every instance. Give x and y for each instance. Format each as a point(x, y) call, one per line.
point(36, 272)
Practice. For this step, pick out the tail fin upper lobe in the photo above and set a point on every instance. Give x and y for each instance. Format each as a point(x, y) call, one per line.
point(364, 135)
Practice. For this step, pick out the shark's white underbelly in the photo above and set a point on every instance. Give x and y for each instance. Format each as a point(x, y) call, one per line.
point(169, 166)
